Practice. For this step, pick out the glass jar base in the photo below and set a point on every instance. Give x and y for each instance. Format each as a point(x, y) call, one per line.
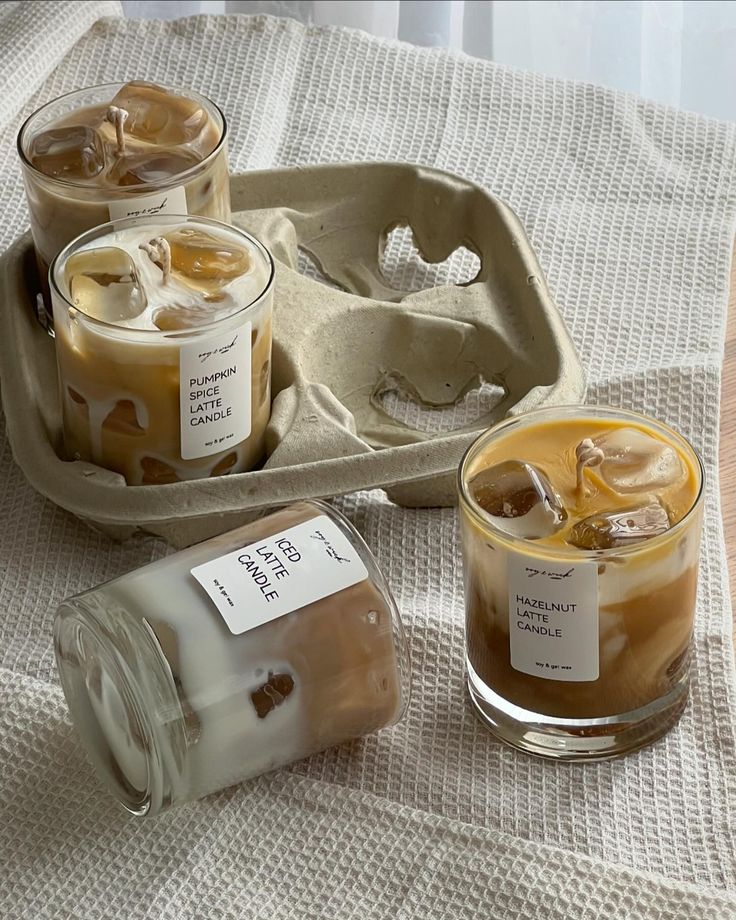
point(101, 663)
point(576, 739)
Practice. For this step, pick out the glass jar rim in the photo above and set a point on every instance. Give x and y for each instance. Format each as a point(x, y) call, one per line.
point(156, 220)
point(483, 519)
point(130, 191)
point(78, 626)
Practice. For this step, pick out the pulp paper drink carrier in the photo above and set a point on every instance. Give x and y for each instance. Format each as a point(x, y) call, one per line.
point(349, 355)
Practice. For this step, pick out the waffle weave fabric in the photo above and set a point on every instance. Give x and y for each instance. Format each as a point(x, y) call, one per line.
point(631, 207)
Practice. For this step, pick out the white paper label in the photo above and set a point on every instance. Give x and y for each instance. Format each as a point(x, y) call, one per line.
point(553, 618)
point(170, 201)
point(293, 568)
point(214, 392)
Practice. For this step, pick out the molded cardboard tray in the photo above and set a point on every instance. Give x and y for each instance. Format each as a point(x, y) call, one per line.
point(337, 351)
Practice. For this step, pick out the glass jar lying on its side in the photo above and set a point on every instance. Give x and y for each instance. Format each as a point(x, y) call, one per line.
point(233, 657)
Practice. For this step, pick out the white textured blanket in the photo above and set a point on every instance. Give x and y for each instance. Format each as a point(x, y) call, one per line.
point(631, 207)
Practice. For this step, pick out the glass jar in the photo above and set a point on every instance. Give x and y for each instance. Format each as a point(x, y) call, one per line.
point(63, 206)
point(578, 642)
point(159, 405)
point(233, 657)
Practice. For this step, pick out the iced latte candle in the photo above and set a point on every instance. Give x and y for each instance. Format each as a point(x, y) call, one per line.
point(163, 343)
point(120, 150)
point(581, 535)
point(233, 657)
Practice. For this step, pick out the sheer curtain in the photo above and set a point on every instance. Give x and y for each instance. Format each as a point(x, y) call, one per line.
point(682, 52)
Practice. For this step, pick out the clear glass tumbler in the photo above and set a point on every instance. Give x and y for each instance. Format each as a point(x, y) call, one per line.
point(581, 536)
point(181, 180)
point(187, 400)
point(232, 658)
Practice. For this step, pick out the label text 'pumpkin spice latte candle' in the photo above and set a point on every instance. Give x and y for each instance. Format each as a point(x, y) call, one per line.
point(233, 657)
point(581, 538)
point(163, 343)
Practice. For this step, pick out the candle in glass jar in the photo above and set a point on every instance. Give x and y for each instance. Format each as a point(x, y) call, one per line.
point(581, 534)
point(233, 657)
point(163, 343)
point(113, 151)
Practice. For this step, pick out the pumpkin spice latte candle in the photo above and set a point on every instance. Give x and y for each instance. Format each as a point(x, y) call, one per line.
point(163, 343)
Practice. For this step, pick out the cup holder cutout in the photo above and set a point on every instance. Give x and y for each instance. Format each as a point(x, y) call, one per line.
point(332, 353)
point(399, 399)
point(308, 267)
point(404, 269)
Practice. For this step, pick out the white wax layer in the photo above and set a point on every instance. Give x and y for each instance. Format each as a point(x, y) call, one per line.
point(238, 293)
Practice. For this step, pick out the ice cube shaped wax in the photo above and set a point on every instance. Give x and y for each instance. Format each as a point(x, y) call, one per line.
point(160, 117)
point(620, 528)
point(103, 284)
point(171, 318)
point(71, 152)
point(636, 462)
point(520, 498)
point(151, 167)
point(205, 261)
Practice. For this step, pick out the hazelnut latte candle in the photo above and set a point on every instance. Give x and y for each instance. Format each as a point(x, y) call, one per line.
point(581, 536)
point(233, 657)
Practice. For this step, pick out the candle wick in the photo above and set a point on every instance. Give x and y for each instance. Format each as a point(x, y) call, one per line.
point(165, 250)
point(88, 160)
point(117, 117)
point(587, 455)
point(159, 252)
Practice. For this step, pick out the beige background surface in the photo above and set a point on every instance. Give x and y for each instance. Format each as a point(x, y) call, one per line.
point(728, 437)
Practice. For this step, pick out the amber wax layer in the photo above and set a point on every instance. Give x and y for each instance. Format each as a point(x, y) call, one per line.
point(581, 532)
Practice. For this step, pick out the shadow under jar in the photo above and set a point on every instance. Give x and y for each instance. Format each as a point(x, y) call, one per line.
point(233, 657)
point(163, 345)
point(581, 538)
point(118, 150)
